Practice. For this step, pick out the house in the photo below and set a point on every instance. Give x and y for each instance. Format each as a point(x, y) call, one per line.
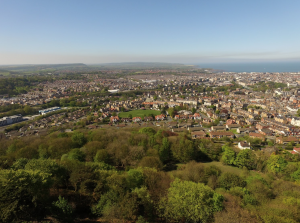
point(221, 134)
point(197, 116)
point(296, 150)
point(159, 117)
point(198, 135)
point(230, 122)
point(295, 121)
point(114, 119)
point(148, 118)
point(125, 119)
point(218, 128)
point(136, 119)
point(286, 140)
point(233, 126)
point(244, 145)
point(266, 132)
point(257, 135)
point(173, 125)
point(194, 129)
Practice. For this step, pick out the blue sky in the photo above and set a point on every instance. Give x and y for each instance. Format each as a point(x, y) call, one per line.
point(98, 31)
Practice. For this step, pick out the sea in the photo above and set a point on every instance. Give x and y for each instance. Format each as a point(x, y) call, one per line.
point(270, 67)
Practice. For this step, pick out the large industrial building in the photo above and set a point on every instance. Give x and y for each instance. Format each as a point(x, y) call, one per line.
point(45, 111)
point(10, 120)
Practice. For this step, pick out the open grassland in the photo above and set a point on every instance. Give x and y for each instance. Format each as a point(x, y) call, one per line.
point(224, 168)
point(138, 113)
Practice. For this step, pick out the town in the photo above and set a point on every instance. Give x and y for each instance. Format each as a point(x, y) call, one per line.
point(206, 103)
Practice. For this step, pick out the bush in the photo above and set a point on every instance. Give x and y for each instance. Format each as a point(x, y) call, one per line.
point(228, 180)
point(62, 210)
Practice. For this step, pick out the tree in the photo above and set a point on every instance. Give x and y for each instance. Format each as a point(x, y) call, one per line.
point(151, 161)
point(102, 156)
point(171, 112)
point(76, 154)
point(228, 156)
point(190, 202)
point(164, 150)
point(296, 175)
point(183, 151)
point(57, 172)
point(28, 110)
point(62, 210)
point(245, 158)
point(276, 164)
point(23, 194)
point(194, 110)
point(135, 178)
point(228, 180)
point(78, 139)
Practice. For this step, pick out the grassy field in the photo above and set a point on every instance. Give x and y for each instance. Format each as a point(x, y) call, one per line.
point(138, 113)
point(224, 168)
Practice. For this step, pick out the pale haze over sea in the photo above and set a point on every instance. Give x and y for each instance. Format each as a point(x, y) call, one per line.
point(254, 66)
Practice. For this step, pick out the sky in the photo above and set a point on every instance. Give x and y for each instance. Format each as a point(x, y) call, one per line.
point(109, 31)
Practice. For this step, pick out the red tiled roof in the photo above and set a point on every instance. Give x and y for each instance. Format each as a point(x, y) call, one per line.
point(297, 149)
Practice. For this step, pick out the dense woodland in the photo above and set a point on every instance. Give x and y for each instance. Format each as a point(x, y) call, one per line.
point(144, 175)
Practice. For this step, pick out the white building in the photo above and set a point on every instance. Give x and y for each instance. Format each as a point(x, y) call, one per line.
point(244, 145)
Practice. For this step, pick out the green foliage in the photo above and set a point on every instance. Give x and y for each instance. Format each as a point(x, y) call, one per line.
point(22, 194)
point(228, 156)
point(193, 202)
point(228, 180)
point(19, 164)
point(148, 130)
point(63, 210)
point(102, 156)
point(296, 175)
point(135, 178)
point(171, 112)
point(75, 154)
point(209, 151)
point(141, 220)
point(164, 150)
point(78, 139)
point(245, 158)
point(151, 162)
point(183, 151)
point(106, 201)
point(276, 164)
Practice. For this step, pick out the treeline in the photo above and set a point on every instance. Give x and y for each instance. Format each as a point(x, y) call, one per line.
point(263, 86)
point(21, 85)
point(17, 109)
point(143, 175)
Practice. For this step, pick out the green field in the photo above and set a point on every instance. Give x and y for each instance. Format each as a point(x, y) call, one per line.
point(138, 113)
point(225, 168)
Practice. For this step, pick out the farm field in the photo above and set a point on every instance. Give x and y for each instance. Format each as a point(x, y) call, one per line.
point(138, 113)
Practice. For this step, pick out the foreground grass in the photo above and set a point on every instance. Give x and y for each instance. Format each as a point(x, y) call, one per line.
point(224, 168)
point(138, 113)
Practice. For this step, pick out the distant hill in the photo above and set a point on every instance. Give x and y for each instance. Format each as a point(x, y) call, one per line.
point(37, 67)
point(139, 65)
point(7, 70)
point(28, 69)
